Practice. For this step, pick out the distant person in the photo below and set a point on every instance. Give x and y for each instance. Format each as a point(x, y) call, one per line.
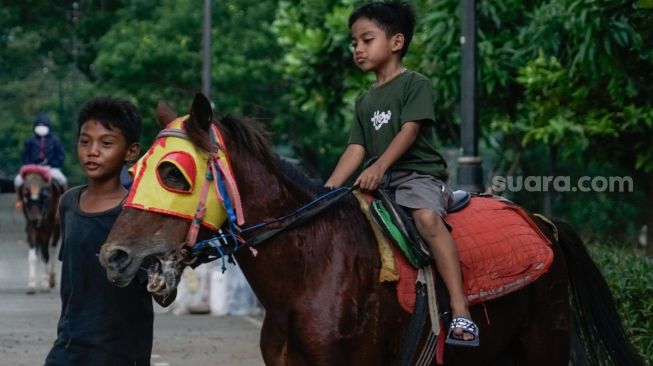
point(100, 323)
point(44, 148)
point(394, 120)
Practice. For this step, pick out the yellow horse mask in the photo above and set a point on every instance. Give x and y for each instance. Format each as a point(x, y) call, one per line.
point(209, 175)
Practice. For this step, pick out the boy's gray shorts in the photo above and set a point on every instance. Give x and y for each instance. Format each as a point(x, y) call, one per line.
point(415, 190)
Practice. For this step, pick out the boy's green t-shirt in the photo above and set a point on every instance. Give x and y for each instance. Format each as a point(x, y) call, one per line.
point(380, 113)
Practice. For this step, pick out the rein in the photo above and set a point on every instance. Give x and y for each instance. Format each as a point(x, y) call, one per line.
point(294, 219)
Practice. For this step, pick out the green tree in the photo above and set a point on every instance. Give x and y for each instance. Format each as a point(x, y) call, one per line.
point(167, 62)
point(559, 78)
point(37, 70)
point(324, 82)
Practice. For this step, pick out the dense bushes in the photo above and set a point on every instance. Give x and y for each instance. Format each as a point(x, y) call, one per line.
point(630, 277)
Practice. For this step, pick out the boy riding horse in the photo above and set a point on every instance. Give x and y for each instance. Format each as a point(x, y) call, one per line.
point(45, 149)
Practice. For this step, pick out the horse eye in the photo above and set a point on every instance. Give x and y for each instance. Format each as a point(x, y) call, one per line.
point(172, 178)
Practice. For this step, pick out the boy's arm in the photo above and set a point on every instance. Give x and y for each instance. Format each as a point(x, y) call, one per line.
point(371, 177)
point(165, 300)
point(350, 160)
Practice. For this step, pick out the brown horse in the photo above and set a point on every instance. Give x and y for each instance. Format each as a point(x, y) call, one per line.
point(319, 282)
point(40, 195)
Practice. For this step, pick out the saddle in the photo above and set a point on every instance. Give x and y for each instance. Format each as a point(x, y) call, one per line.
point(500, 248)
point(397, 225)
point(41, 170)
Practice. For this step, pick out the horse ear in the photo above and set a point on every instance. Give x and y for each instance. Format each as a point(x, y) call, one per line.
point(164, 113)
point(201, 112)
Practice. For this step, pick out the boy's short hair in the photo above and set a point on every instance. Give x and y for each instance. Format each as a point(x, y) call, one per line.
point(391, 16)
point(113, 113)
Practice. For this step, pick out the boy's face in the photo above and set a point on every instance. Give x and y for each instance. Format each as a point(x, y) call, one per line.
point(372, 48)
point(102, 151)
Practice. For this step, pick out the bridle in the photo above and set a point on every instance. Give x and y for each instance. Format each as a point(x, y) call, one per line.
point(229, 239)
point(215, 174)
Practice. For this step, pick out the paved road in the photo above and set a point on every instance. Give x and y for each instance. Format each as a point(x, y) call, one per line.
point(28, 322)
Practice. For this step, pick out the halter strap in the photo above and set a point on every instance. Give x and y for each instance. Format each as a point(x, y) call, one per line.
point(173, 132)
point(194, 229)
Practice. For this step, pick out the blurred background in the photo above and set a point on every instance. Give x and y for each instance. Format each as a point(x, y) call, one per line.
point(564, 89)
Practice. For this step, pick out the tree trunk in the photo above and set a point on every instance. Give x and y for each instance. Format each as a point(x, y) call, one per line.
point(552, 168)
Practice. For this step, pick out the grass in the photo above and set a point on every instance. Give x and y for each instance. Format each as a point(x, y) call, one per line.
point(630, 277)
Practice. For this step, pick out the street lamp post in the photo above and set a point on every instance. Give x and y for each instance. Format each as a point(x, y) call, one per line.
point(470, 172)
point(74, 16)
point(206, 50)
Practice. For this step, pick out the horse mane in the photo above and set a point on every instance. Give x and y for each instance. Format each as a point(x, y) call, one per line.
point(250, 136)
point(296, 176)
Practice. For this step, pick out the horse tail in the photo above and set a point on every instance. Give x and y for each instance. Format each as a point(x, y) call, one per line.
point(593, 307)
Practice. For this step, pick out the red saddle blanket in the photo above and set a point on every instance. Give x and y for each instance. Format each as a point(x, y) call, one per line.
point(501, 250)
point(41, 170)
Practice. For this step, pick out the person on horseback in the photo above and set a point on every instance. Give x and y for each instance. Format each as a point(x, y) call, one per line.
point(44, 148)
point(100, 323)
point(395, 121)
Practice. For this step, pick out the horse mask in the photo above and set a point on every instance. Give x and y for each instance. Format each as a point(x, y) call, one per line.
point(201, 171)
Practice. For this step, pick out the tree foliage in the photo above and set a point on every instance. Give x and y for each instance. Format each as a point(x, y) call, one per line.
point(167, 62)
point(569, 74)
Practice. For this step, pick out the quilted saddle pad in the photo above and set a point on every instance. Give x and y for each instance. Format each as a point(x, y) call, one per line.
point(501, 250)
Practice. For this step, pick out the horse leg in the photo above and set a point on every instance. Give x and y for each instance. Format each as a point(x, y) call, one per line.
point(31, 260)
point(283, 344)
point(54, 240)
point(308, 336)
point(52, 278)
point(45, 280)
point(274, 342)
point(46, 274)
point(43, 251)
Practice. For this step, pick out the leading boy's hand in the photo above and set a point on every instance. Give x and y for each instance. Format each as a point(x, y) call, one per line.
point(370, 177)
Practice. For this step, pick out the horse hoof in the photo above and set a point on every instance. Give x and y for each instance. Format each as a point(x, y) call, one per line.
point(31, 291)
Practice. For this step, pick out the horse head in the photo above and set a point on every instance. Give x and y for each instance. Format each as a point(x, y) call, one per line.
point(36, 192)
point(174, 200)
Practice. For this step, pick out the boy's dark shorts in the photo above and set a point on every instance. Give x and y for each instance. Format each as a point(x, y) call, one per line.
point(416, 191)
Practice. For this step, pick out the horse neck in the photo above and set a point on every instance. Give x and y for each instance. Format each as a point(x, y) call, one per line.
point(265, 194)
point(318, 250)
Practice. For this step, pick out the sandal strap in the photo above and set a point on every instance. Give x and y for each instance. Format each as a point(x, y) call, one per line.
point(467, 325)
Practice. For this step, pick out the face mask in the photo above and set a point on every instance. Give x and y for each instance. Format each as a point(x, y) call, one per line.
point(41, 130)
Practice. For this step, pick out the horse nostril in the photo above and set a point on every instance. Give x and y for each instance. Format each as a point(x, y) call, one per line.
point(118, 259)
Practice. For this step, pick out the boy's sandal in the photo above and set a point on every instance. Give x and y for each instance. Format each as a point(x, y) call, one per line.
point(468, 327)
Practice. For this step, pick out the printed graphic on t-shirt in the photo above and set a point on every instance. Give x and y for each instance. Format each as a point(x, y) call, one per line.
point(380, 118)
